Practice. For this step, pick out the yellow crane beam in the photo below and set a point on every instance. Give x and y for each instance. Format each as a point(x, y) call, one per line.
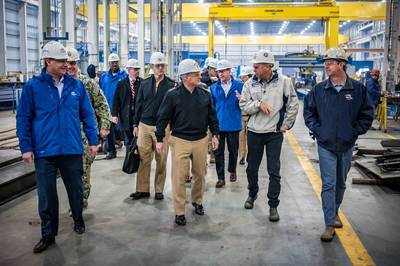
point(200, 12)
point(260, 39)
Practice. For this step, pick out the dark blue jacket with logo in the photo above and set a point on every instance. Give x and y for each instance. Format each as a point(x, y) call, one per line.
point(338, 118)
point(48, 125)
point(227, 107)
point(109, 82)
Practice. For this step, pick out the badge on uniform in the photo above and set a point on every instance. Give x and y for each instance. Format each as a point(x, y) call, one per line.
point(348, 97)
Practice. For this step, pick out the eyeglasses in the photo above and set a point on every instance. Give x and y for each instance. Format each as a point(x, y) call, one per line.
point(159, 65)
point(330, 63)
point(73, 63)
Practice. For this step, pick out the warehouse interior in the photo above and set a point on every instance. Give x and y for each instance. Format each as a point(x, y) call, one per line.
point(122, 231)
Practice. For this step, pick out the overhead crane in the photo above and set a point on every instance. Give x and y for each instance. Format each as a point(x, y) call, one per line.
point(329, 11)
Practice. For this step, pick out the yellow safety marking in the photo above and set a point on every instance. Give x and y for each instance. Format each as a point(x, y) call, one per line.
point(391, 136)
point(355, 250)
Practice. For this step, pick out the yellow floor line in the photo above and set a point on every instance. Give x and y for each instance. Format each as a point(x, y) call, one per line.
point(391, 136)
point(355, 250)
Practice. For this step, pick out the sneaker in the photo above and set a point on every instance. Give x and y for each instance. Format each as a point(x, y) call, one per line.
point(338, 222)
point(328, 234)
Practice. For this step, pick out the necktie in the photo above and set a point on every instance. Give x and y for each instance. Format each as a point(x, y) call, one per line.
point(132, 88)
point(133, 95)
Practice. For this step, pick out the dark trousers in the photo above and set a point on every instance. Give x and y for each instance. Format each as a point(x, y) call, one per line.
point(71, 170)
point(128, 136)
point(273, 144)
point(111, 139)
point(232, 139)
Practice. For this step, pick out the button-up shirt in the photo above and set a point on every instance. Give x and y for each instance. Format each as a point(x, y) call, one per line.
point(226, 86)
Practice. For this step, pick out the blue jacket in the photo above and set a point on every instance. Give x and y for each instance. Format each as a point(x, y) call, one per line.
point(374, 91)
point(108, 83)
point(50, 126)
point(227, 107)
point(338, 118)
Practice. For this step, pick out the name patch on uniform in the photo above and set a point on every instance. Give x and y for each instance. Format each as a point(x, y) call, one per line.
point(348, 97)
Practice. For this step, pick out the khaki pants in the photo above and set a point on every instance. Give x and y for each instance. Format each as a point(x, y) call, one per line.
point(147, 148)
point(243, 139)
point(184, 151)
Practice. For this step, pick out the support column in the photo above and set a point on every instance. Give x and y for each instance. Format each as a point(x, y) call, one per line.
point(106, 31)
point(211, 37)
point(44, 24)
point(154, 26)
point(3, 43)
point(170, 37)
point(391, 61)
point(23, 38)
point(69, 22)
point(140, 32)
point(331, 33)
point(123, 31)
point(93, 32)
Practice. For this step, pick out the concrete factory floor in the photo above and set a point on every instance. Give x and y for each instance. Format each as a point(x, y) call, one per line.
point(125, 232)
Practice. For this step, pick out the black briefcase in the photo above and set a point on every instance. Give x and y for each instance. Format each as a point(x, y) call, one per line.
point(132, 158)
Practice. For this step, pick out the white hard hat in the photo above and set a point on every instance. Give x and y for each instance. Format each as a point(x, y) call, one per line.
point(158, 58)
point(246, 70)
point(188, 66)
point(263, 57)
point(132, 63)
point(336, 53)
point(113, 57)
point(223, 64)
point(54, 50)
point(73, 54)
point(276, 66)
point(213, 62)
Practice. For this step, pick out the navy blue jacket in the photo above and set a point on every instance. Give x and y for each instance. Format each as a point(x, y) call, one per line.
point(374, 91)
point(338, 118)
point(48, 125)
point(227, 107)
point(109, 82)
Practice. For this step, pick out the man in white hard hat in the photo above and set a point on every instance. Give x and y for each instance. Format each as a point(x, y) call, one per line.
point(271, 102)
point(102, 114)
point(337, 111)
point(246, 73)
point(108, 83)
point(224, 95)
point(125, 99)
point(151, 93)
point(190, 112)
point(209, 75)
point(50, 112)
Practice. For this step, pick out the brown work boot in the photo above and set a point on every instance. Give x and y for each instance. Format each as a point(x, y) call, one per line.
point(328, 234)
point(338, 222)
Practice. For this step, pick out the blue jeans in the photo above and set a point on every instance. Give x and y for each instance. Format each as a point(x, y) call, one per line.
point(71, 170)
point(334, 168)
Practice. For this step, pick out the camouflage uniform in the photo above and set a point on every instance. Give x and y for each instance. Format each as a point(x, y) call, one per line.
point(103, 118)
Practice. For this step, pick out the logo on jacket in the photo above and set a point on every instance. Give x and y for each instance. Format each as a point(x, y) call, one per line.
point(348, 97)
point(74, 93)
